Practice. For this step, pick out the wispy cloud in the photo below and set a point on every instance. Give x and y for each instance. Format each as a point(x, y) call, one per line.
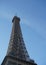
point(37, 26)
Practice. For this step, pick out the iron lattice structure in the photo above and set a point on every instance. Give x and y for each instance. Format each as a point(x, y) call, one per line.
point(17, 53)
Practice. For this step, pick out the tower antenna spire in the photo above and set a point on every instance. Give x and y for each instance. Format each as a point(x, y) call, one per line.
point(16, 14)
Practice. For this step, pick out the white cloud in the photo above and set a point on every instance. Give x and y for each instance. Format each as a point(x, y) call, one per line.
point(37, 26)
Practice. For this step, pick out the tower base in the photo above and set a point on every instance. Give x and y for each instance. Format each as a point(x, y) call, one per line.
point(9, 60)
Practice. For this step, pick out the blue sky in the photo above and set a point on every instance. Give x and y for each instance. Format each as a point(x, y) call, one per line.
point(33, 24)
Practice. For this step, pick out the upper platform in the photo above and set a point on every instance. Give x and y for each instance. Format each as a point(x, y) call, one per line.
point(15, 18)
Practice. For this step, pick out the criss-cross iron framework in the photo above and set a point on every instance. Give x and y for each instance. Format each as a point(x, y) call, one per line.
point(17, 53)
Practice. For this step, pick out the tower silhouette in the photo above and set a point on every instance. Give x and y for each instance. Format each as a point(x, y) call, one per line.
point(17, 53)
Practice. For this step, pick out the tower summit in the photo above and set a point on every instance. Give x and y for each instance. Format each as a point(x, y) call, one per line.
point(17, 53)
point(16, 19)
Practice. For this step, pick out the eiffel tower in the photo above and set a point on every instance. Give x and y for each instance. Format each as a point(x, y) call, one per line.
point(17, 53)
